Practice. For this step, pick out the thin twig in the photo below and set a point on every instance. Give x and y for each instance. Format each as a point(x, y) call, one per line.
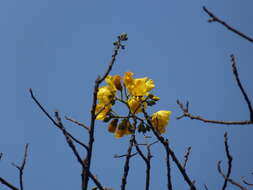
point(124, 155)
point(216, 19)
point(186, 156)
point(99, 80)
point(193, 117)
point(77, 123)
point(206, 188)
point(246, 183)
point(165, 143)
point(229, 179)
point(73, 148)
point(8, 184)
point(169, 151)
point(126, 165)
point(51, 119)
point(147, 160)
point(22, 167)
point(140, 151)
point(68, 138)
point(233, 62)
point(229, 157)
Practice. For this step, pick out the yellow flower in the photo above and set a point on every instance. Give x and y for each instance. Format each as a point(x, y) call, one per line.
point(114, 81)
point(128, 79)
point(142, 86)
point(105, 94)
point(135, 104)
point(102, 110)
point(113, 125)
point(138, 86)
point(160, 120)
point(123, 129)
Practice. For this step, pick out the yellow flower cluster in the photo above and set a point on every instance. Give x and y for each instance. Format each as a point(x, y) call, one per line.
point(106, 95)
point(137, 97)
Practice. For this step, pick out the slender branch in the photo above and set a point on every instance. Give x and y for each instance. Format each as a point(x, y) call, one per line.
point(246, 183)
point(146, 160)
point(233, 62)
point(206, 188)
point(216, 19)
point(51, 119)
point(165, 143)
point(186, 156)
point(169, 151)
point(229, 179)
point(185, 108)
point(193, 117)
point(229, 157)
point(77, 123)
point(99, 80)
point(149, 156)
point(124, 155)
point(126, 165)
point(140, 151)
point(73, 148)
point(68, 138)
point(8, 184)
point(21, 167)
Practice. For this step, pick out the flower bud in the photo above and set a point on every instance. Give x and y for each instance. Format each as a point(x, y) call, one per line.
point(117, 82)
point(155, 98)
point(120, 130)
point(123, 36)
point(113, 125)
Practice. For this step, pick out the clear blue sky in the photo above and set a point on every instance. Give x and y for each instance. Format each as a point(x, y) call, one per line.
point(59, 47)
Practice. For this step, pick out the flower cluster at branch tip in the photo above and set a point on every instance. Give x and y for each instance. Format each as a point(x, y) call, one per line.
point(135, 94)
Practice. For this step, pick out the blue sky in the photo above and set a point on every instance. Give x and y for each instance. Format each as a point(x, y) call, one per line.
point(59, 47)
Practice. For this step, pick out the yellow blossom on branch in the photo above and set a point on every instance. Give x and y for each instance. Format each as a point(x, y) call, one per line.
point(124, 128)
point(128, 79)
point(160, 120)
point(102, 110)
point(113, 125)
point(106, 94)
point(114, 82)
point(135, 104)
point(138, 86)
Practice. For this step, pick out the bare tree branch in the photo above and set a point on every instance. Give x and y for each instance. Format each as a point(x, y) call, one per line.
point(229, 157)
point(186, 156)
point(147, 160)
point(194, 117)
point(77, 123)
point(73, 148)
point(124, 155)
point(140, 151)
point(229, 179)
point(126, 165)
point(216, 19)
point(99, 80)
point(227, 176)
point(206, 188)
point(8, 184)
point(185, 108)
point(169, 151)
point(21, 167)
point(233, 62)
point(50, 118)
point(68, 138)
point(246, 183)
